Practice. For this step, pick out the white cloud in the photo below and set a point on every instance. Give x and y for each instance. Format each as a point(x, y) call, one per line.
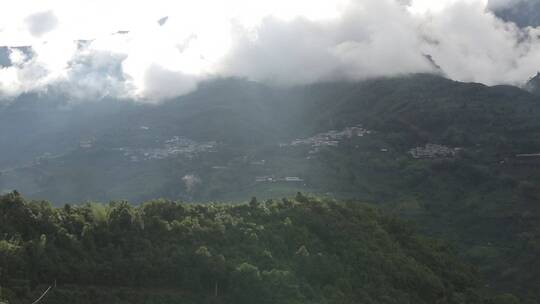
point(473, 45)
point(160, 83)
point(96, 74)
point(17, 57)
point(279, 41)
point(437, 6)
point(360, 44)
point(41, 23)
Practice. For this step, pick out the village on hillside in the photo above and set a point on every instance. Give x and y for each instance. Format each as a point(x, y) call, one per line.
point(331, 138)
point(433, 151)
point(174, 146)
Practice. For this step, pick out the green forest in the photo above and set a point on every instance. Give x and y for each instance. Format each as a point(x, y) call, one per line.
point(270, 152)
point(297, 250)
point(481, 200)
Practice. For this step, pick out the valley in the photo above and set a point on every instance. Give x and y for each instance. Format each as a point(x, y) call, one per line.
point(457, 158)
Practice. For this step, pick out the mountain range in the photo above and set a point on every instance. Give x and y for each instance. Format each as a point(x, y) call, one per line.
point(522, 12)
point(460, 159)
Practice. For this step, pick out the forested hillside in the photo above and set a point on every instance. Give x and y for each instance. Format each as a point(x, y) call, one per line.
point(390, 148)
point(460, 159)
point(301, 250)
point(221, 133)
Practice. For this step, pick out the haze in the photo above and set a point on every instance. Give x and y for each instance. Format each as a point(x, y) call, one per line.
point(74, 44)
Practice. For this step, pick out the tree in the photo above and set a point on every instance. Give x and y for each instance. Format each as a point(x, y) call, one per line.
point(247, 286)
point(253, 203)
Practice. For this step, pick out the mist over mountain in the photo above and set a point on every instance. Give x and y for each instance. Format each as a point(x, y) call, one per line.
point(462, 40)
point(521, 12)
point(231, 123)
point(371, 151)
point(458, 158)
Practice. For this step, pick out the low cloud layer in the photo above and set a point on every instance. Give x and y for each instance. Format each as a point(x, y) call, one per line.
point(155, 60)
point(464, 41)
point(41, 23)
point(357, 45)
point(500, 4)
point(524, 13)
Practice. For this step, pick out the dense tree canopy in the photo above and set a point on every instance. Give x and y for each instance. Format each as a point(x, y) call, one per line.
point(301, 250)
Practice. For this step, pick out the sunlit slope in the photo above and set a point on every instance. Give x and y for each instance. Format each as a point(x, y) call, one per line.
point(302, 250)
point(246, 122)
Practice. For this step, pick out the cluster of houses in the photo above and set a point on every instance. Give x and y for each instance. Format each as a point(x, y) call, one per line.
point(258, 162)
point(87, 143)
point(433, 151)
point(331, 138)
point(172, 147)
point(529, 159)
point(43, 157)
point(271, 179)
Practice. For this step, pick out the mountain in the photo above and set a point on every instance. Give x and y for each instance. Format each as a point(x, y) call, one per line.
point(119, 150)
point(460, 159)
point(533, 85)
point(48, 123)
point(522, 12)
point(301, 250)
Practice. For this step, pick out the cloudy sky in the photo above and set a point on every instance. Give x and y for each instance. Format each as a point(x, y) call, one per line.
point(152, 50)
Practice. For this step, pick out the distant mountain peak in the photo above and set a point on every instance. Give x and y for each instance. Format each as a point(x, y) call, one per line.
point(523, 13)
point(533, 85)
